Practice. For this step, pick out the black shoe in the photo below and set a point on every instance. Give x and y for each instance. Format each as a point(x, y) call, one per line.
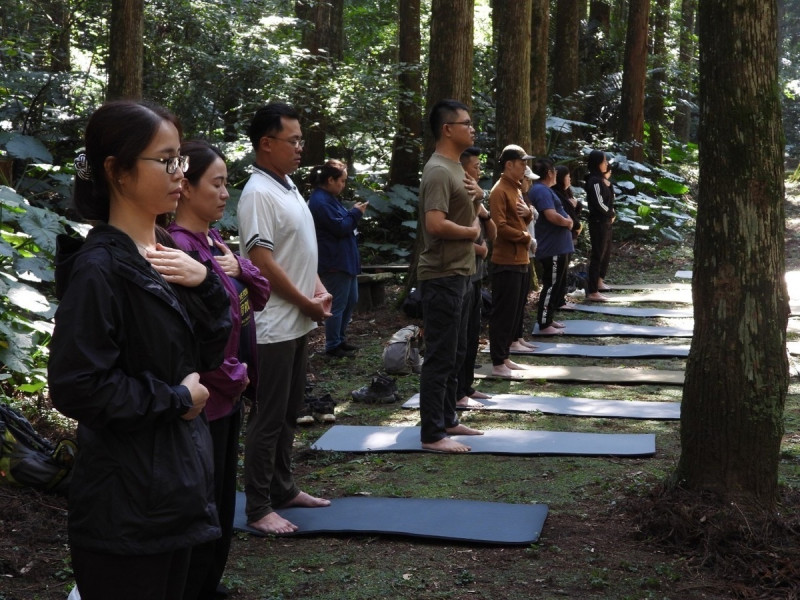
point(322, 409)
point(382, 390)
point(349, 347)
point(340, 352)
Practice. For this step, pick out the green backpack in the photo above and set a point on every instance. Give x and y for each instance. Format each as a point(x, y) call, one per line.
point(28, 459)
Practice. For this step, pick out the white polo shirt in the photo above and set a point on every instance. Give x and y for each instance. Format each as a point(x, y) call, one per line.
point(278, 219)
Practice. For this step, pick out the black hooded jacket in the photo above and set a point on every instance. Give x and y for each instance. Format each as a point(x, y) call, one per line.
point(124, 340)
point(599, 197)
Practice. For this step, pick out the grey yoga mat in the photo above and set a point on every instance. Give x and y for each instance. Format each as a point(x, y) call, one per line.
point(621, 375)
point(632, 311)
point(362, 438)
point(605, 328)
point(606, 350)
point(445, 519)
point(578, 407)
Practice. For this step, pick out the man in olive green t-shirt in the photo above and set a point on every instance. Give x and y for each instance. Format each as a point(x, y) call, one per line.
point(448, 225)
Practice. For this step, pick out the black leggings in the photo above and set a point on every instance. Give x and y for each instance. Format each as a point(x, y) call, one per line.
point(554, 282)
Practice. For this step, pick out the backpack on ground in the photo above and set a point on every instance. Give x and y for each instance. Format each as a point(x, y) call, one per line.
point(402, 354)
point(28, 459)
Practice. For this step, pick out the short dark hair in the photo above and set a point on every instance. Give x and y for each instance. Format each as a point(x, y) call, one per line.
point(122, 129)
point(469, 153)
point(201, 154)
point(594, 160)
point(267, 121)
point(442, 112)
point(332, 169)
point(542, 166)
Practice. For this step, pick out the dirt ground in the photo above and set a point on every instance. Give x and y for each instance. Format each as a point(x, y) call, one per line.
point(604, 547)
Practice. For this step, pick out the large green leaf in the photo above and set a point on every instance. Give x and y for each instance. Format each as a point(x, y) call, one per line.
point(43, 226)
point(30, 299)
point(15, 349)
point(40, 268)
point(27, 147)
point(670, 186)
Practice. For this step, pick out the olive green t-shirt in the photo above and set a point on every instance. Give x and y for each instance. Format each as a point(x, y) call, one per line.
point(442, 188)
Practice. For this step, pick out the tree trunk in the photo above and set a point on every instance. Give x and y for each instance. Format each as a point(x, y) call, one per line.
point(450, 70)
point(59, 12)
point(737, 371)
point(540, 36)
point(631, 124)
point(566, 75)
point(593, 43)
point(513, 68)
point(657, 83)
point(125, 50)
point(322, 37)
point(685, 73)
point(406, 148)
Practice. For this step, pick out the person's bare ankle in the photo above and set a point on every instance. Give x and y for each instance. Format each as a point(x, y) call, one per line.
point(273, 523)
point(446, 445)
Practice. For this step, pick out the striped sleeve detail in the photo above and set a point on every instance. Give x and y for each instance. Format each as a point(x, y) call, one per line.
point(257, 241)
point(600, 197)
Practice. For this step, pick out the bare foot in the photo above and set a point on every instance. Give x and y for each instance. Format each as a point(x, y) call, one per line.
point(479, 395)
point(273, 523)
point(462, 429)
point(502, 371)
point(525, 342)
point(597, 297)
point(551, 331)
point(513, 366)
point(306, 501)
point(445, 445)
point(519, 348)
point(567, 306)
point(558, 325)
point(467, 402)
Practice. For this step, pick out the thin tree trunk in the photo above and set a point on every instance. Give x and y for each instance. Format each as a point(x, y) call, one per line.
point(125, 50)
point(566, 75)
point(631, 125)
point(540, 36)
point(406, 148)
point(513, 68)
point(737, 371)
point(593, 42)
point(657, 83)
point(685, 69)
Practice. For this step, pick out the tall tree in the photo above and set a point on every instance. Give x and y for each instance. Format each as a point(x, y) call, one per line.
point(631, 119)
point(513, 70)
point(125, 49)
point(657, 82)
point(737, 371)
point(323, 38)
point(450, 55)
point(685, 71)
point(593, 42)
point(566, 74)
point(540, 37)
point(406, 147)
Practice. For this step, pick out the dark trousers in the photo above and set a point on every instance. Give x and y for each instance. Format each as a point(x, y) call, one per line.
point(444, 320)
point(600, 234)
point(208, 560)
point(526, 289)
point(509, 288)
point(554, 281)
point(102, 576)
point(268, 480)
point(466, 375)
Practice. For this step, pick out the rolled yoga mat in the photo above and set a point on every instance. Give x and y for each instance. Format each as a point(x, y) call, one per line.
point(444, 519)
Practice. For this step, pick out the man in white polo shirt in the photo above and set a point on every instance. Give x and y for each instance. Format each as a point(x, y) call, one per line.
point(277, 234)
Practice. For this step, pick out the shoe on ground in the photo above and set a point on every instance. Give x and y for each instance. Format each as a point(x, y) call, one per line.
point(305, 416)
point(382, 390)
point(340, 352)
point(348, 347)
point(322, 409)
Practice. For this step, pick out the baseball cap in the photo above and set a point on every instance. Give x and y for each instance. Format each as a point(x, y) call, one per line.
point(530, 174)
point(513, 152)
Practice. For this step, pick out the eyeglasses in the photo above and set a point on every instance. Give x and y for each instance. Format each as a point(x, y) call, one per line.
point(467, 123)
point(297, 143)
point(172, 164)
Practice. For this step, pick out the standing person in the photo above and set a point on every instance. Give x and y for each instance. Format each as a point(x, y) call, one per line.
point(600, 198)
point(468, 396)
point(572, 206)
point(203, 198)
point(511, 274)
point(137, 322)
point(523, 345)
point(339, 261)
point(449, 227)
point(276, 230)
point(554, 237)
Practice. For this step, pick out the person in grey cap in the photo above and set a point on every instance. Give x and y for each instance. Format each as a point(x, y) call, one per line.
point(511, 264)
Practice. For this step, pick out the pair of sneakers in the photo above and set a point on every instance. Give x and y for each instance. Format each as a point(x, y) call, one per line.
point(318, 409)
point(343, 350)
point(382, 390)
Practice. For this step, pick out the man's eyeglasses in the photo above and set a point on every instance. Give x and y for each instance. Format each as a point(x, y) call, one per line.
point(467, 123)
point(297, 143)
point(172, 164)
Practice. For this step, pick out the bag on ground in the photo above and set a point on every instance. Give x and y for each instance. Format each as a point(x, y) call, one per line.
point(28, 459)
point(402, 354)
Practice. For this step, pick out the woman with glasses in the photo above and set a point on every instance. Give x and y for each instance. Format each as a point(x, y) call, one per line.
point(203, 199)
point(339, 262)
point(138, 321)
